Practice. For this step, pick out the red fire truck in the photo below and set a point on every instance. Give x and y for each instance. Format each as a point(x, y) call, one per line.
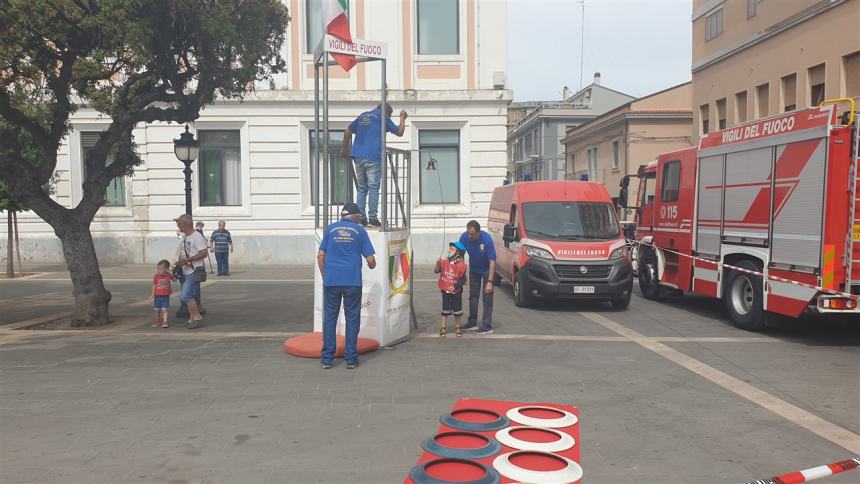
point(763, 215)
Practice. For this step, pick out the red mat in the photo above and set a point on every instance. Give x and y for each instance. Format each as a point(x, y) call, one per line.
point(309, 345)
point(464, 472)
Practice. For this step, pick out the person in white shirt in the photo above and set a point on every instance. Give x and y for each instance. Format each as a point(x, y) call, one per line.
point(193, 249)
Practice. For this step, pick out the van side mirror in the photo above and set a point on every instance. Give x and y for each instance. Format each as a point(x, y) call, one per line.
point(511, 234)
point(622, 198)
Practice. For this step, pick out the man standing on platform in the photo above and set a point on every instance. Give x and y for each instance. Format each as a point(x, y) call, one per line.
point(343, 245)
point(482, 272)
point(222, 244)
point(366, 152)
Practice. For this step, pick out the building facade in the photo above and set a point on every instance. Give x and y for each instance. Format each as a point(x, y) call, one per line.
point(533, 138)
point(758, 58)
point(615, 144)
point(446, 68)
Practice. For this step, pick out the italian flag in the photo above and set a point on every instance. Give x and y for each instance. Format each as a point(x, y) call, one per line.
point(336, 23)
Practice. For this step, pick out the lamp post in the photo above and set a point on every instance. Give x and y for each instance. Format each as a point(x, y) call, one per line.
point(186, 149)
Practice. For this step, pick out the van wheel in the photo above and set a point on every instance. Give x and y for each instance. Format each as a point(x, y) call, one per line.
point(649, 279)
point(744, 297)
point(622, 302)
point(520, 298)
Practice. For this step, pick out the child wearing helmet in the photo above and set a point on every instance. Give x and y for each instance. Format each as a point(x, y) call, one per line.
point(452, 278)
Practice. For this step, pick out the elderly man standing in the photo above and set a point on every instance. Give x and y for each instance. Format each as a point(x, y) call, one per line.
point(222, 244)
point(341, 250)
point(366, 153)
point(192, 252)
point(482, 271)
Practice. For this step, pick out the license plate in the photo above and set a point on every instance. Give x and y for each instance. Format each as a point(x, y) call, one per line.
point(583, 289)
point(857, 232)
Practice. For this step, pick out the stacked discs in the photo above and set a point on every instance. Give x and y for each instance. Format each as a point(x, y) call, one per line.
point(492, 441)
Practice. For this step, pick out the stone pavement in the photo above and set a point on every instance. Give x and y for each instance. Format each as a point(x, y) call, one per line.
point(225, 404)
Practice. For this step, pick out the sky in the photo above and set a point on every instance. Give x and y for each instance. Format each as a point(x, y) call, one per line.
point(638, 46)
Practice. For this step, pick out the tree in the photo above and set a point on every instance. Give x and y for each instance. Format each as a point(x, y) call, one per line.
point(11, 207)
point(137, 61)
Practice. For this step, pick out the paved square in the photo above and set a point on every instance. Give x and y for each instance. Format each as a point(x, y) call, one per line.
point(225, 404)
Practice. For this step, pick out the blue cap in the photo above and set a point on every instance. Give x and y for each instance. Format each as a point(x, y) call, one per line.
point(349, 208)
point(458, 245)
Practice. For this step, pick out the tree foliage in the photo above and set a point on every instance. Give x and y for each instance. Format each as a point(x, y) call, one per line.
point(135, 61)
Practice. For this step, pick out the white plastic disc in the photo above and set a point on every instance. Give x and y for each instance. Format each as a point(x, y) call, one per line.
point(568, 419)
point(571, 473)
point(563, 443)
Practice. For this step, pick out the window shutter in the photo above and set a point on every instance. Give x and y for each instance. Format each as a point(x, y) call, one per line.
point(852, 74)
point(90, 138)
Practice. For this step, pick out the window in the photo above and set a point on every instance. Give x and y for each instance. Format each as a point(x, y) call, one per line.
point(592, 164)
point(762, 95)
point(570, 220)
point(340, 176)
point(571, 166)
point(313, 24)
point(535, 142)
point(741, 107)
point(851, 71)
point(650, 189)
point(714, 25)
point(527, 145)
point(615, 154)
point(816, 84)
point(721, 113)
point(115, 194)
point(704, 113)
point(789, 93)
point(441, 185)
point(438, 27)
point(671, 181)
point(752, 8)
point(219, 169)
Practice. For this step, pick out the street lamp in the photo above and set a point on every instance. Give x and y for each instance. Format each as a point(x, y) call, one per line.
point(186, 148)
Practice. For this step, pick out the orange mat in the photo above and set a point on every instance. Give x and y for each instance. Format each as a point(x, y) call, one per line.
point(309, 345)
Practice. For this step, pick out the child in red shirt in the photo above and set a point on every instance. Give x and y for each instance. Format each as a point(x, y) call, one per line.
point(452, 278)
point(161, 293)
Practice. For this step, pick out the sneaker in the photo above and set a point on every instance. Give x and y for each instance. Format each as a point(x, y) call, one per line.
point(154, 325)
point(325, 365)
point(459, 333)
point(165, 326)
point(195, 324)
point(351, 365)
point(364, 221)
point(470, 327)
point(486, 330)
point(375, 223)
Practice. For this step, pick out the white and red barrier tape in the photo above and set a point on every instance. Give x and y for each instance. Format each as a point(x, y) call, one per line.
point(812, 473)
point(760, 274)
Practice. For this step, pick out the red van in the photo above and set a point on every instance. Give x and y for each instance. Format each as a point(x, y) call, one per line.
point(560, 239)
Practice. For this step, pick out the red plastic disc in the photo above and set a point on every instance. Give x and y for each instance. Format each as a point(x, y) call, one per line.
point(309, 345)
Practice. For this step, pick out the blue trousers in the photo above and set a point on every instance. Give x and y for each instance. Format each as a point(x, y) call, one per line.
point(223, 261)
point(332, 296)
point(368, 174)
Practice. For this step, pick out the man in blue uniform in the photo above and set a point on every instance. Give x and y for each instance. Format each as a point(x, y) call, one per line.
point(366, 153)
point(343, 245)
point(482, 272)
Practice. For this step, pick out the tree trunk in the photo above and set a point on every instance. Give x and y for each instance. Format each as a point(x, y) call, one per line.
point(18, 245)
point(10, 266)
point(91, 297)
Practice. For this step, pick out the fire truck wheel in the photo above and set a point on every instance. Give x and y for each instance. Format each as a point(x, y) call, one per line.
point(744, 297)
point(649, 280)
point(521, 299)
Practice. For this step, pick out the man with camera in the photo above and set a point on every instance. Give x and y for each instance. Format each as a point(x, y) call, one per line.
point(192, 252)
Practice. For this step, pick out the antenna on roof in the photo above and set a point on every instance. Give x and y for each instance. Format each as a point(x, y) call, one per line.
point(581, 43)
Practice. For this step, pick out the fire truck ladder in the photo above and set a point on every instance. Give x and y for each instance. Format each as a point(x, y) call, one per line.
point(853, 269)
point(852, 242)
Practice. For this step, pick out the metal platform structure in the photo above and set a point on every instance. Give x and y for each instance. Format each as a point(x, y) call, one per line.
point(387, 306)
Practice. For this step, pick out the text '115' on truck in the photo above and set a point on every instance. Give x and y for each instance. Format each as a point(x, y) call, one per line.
point(764, 215)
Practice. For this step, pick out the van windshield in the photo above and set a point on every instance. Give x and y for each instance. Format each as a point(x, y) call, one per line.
point(570, 220)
